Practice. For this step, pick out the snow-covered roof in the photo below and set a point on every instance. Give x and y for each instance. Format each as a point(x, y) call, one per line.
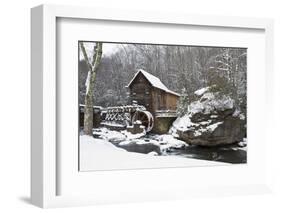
point(155, 82)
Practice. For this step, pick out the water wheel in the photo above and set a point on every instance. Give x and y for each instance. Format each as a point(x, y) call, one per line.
point(146, 119)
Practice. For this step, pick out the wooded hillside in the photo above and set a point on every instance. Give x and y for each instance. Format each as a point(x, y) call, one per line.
point(182, 69)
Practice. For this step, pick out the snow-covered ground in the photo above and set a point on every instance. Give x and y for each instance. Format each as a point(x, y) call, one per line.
point(165, 142)
point(99, 154)
point(243, 144)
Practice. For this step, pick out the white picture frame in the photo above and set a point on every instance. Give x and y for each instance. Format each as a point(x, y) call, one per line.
point(44, 150)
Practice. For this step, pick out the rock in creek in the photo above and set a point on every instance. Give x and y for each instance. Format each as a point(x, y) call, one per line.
point(212, 119)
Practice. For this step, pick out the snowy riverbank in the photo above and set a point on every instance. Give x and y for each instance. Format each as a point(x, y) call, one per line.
point(99, 154)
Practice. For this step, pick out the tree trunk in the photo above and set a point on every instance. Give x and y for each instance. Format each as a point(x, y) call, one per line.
point(89, 102)
point(88, 114)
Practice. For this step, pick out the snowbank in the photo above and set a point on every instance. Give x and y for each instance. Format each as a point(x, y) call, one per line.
point(160, 143)
point(168, 142)
point(98, 154)
point(243, 144)
point(115, 136)
point(109, 135)
point(182, 123)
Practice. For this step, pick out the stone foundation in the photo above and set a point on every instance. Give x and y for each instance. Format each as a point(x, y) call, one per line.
point(162, 124)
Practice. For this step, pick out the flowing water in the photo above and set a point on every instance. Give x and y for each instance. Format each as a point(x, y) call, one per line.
point(227, 153)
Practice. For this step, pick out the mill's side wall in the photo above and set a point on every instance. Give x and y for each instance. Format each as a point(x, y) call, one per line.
point(141, 92)
point(171, 101)
point(154, 100)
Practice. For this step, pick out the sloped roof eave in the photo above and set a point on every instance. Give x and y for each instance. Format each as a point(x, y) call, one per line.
point(173, 93)
point(165, 89)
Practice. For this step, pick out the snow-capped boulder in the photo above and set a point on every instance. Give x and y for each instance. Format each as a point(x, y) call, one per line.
point(212, 119)
point(161, 144)
point(141, 146)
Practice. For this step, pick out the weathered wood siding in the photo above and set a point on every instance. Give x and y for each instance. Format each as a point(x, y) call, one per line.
point(163, 101)
point(152, 98)
point(171, 101)
point(140, 91)
point(158, 99)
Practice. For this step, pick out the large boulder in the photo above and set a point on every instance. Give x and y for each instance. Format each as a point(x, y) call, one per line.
point(212, 119)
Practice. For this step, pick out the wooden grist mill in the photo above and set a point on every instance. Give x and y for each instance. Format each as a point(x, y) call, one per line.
point(152, 107)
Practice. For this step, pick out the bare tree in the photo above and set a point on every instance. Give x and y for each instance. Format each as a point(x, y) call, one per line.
point(88, 110)
point(180, 68)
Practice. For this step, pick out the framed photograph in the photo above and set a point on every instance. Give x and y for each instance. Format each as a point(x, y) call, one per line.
point(129, 106)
